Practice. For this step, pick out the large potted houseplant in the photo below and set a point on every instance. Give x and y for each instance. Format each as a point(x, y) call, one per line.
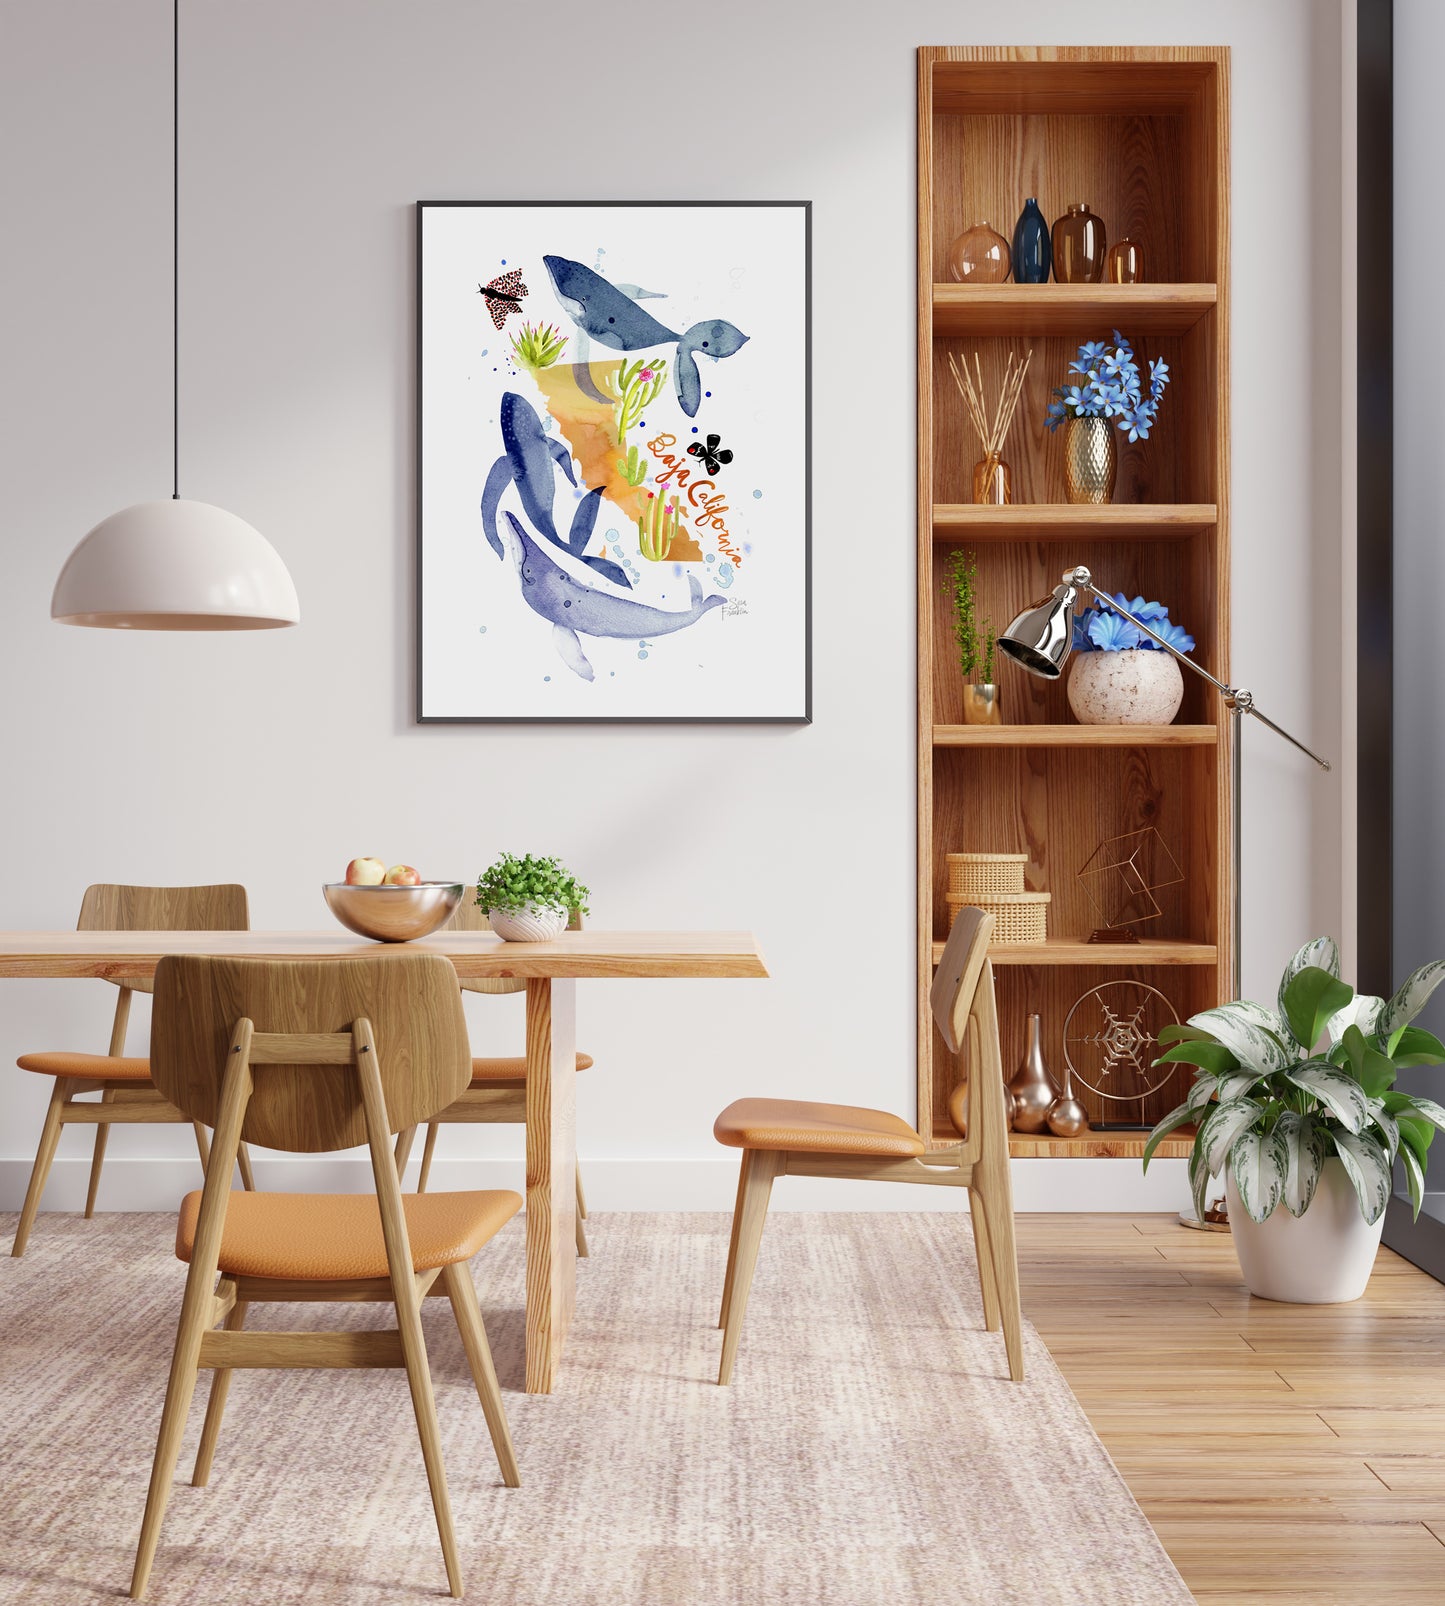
point(1111, 395)
point(1120, 676)
point(1297, 1107)
point(529, 900)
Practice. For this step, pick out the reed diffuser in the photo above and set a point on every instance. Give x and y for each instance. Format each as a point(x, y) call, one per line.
point(991, 479)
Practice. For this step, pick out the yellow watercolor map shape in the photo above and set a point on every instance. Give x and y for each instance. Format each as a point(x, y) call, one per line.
point(589, 427)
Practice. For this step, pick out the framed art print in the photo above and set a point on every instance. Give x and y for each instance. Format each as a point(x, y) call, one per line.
point(613, 486)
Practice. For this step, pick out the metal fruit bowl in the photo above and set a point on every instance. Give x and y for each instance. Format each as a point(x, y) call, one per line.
point(393, 914)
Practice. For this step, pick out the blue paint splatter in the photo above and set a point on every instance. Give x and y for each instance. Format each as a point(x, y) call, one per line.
point(481, 630)
point(724, 575)
point(757, 495)
point(546, 677)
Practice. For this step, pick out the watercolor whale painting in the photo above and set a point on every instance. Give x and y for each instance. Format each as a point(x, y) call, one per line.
point(603, 312)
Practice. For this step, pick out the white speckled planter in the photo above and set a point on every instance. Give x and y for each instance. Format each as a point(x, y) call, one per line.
point(536, 923)
point(1323, 1257)
point(1137, 687)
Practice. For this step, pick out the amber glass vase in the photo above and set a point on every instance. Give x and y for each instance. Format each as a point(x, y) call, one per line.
point(1079, 246)
point(992, 483)
point(979, 255)
point(1124, 263)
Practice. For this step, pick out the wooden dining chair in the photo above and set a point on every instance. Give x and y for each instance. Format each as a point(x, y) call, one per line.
point(790, 1137)
point(312, 1056)
point(497, 1094)
point(126, 1092)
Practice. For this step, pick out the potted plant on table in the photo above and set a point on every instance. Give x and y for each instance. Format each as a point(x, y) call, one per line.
point(1298, 1107)
point(975, 639)
point(1120, 676)
point(1110, 396)
point(529, 900)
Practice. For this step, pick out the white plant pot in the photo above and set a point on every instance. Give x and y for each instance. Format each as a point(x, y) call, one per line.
point(1323, 1257)
point(538, 922)
point(1140, 686)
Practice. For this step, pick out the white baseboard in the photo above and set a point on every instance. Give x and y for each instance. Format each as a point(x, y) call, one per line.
point(1060, 1185)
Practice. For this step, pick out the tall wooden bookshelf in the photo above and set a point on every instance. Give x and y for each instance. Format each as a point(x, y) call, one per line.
point(1142, 135)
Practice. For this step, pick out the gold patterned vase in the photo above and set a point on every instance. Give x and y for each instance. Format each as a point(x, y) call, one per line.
point(1091, 460)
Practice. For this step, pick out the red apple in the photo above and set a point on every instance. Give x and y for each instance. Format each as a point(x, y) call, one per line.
point(365, 873)
point(401, 875)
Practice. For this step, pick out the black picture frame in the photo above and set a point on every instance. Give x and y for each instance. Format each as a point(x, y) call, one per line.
point(806, 718)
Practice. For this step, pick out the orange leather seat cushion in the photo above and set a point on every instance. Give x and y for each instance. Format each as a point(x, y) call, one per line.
point(337, 1236)
point(511, 1068)
point(90, 1067)
point(824, 1128)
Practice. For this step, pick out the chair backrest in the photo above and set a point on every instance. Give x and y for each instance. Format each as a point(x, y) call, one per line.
point(307, 1096)
point(470, 916)
point(962, 998)
point(107, 907)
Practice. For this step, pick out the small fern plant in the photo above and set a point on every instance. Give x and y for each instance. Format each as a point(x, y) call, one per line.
point(975, 638)
point(1277, 1092)
point(513, 884)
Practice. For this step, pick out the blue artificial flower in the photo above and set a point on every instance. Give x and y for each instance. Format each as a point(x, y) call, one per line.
point(1092, 351)
point(1111, 633)
point(1111, 386)
point(1147, 611)
point(1176, 635)
point(1082, 640)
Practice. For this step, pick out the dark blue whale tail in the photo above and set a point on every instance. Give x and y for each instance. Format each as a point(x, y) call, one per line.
point(713, 338)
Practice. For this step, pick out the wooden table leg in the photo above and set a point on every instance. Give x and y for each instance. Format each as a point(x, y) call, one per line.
point(551, 1175)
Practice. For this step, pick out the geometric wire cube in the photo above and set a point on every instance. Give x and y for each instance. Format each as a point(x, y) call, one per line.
point(1122, 874)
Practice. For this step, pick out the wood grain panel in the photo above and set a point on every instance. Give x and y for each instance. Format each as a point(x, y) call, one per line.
point(1075, 735)
point(1160, 521)
point(551, 1176)
point(1080, 311)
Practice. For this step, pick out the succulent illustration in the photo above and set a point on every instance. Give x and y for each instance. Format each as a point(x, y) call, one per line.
point(634, 386)
point(538, 345)
point(633, 467)
point(657, 529)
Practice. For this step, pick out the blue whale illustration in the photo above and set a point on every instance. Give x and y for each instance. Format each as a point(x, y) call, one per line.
point(602, 311)
point(573, 608)
point(526, 462)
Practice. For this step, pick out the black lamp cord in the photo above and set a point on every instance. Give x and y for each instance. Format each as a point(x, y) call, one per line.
point(175, 250)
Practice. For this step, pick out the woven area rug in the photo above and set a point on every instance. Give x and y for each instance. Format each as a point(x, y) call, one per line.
point(871, 1449)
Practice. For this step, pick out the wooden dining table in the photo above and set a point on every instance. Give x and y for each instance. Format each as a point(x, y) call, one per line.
point(551, 971)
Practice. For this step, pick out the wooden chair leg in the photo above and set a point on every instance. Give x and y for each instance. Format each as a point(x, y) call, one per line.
point(998, 1215)
point(248, 1177)
point(722, 1319)
point(984, 1254)
point(463, 1295)
point(429, 1148)
point(40, 1171)
point(760, 1166)
point(580, 1217)
point(581, 1197)
point(97, 1156)
point(216, 1404)
point(404, 1141)
point(203, 1144)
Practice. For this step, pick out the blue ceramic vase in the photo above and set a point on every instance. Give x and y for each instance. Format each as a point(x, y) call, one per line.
point(1033, 253)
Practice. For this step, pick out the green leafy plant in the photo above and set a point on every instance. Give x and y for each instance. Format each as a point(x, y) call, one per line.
point(538, 345)
point(1271, 1106)
point(975, 640)
point(512, 883)
point(658, 527)
point(634, 385)
point(633, 467)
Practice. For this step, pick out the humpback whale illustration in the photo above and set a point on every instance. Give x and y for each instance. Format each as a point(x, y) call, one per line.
point(601, 310)
point(575, 609)
point(526, 462)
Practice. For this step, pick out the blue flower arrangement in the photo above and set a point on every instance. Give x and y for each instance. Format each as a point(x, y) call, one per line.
point(1112, 387)
point(1100, 629)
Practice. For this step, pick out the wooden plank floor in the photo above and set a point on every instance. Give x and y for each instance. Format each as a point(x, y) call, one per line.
point(1284, 1453)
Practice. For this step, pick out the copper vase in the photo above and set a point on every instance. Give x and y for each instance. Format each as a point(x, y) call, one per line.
point(1032, 1086)
point(992, 483)
point(1091, 460)
point(1067, 1118)
point(1079, 245)
point(980, 705)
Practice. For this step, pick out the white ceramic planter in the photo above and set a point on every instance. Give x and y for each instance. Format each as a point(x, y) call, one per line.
point(1322, 1258)
point(538, 922)
point(1140, 686)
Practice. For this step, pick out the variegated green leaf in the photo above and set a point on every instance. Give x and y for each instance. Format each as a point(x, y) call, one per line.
point(1237, 1084)
point(1428, 1109)
point(1413, 1045)
point(1258, 1163)
point(1340, 1093)
point(1370, 1068)
point(1390, 1128)
point(1253, 1034)
point(1412, 997)
point(1175, 1033)
point(1364, 1159)
point(1415, 1133)
point(1203, 1089)
point(1203, 1052)
point(1198, 1178)
point(1309, 1000)
point(1363, 1010)
point(1321, 954)
point(1175, 1118)
point(1305, 1149)
point(1414, 1178)
point(1223, 1126)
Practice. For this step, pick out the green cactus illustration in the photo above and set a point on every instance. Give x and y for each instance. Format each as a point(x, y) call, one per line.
point(634, 386)
point(538, 345)
point(657, 529)
point(633, 468)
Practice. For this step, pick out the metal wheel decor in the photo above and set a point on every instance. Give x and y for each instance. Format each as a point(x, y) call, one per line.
point(1111, 1039)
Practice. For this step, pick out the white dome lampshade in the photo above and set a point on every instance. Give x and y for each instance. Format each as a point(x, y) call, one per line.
point(175, 565)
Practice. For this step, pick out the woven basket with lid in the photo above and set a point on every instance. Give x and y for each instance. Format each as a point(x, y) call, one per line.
point(1018, 917)
point(972, 876)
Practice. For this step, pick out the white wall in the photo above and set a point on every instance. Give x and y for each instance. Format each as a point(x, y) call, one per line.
point(308, 132)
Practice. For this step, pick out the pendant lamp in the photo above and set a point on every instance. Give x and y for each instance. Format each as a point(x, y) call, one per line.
point(177, 564)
